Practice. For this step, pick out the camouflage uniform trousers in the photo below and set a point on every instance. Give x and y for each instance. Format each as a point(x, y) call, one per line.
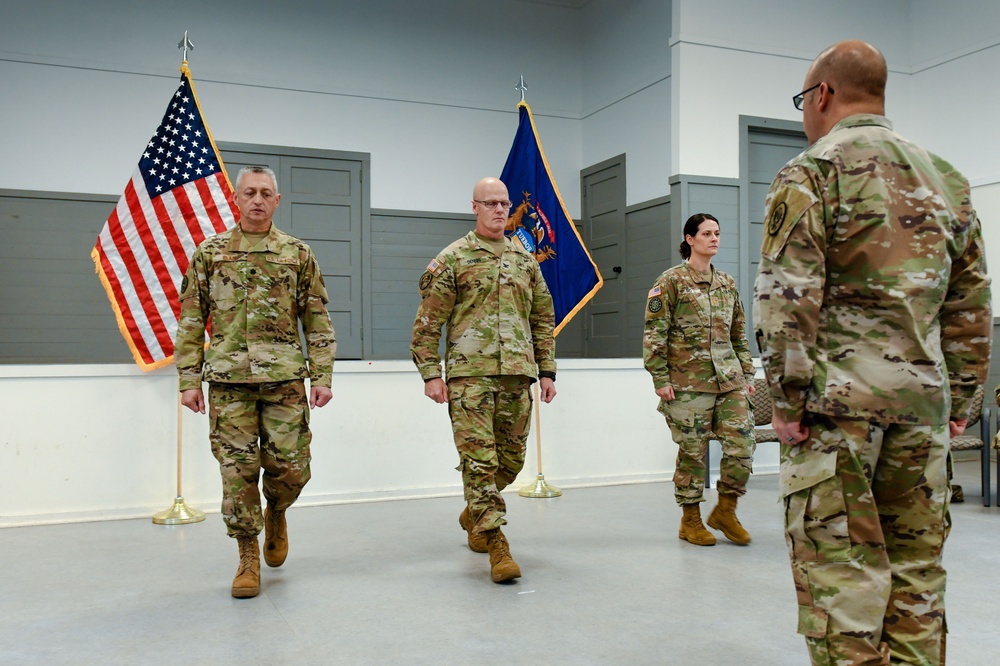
point(866, 518)
point(694, 418)
point(254, 427)
point(490, 418)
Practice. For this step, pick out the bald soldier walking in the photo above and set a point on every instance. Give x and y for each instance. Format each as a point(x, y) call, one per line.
point(491, 297)
point(872, 310)
point(255, 284)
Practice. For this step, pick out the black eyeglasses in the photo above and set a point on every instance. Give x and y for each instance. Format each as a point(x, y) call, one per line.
point(799, 99)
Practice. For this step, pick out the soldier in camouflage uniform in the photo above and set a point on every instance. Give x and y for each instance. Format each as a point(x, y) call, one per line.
point(491, 297)
point(695, 347)
point(251, 286)
point(872, 309)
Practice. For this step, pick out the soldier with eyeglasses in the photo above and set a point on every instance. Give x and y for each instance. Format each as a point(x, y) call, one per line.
point(489, 295)
point(872, 310)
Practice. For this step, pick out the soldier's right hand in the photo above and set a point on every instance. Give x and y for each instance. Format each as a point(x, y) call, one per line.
point(436, 390)
point(665, 393)
point(194, 400)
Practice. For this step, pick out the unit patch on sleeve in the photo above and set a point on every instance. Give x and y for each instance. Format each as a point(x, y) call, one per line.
point(777, 219)
point(655, 304)
point(788, 205)
point(425, 279)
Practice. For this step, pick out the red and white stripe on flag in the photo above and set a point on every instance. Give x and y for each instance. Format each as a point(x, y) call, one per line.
point(178, 196)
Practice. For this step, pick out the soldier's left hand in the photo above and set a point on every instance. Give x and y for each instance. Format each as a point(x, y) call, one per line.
point(546, 389)
point(319, 396)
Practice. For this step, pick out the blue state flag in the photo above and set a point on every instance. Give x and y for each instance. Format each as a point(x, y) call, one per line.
point(540, 223)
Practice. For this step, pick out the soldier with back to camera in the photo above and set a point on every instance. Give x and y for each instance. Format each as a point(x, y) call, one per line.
point(872, 312)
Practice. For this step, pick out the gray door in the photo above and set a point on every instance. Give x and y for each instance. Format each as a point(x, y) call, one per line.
point(323, 209)
point(767, 152)
point(603, 188)
point(323, 204)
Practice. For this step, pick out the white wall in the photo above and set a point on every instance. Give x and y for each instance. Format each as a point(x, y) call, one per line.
point(986, 199)
point(755, 59)
point(953, 94)
point(638, 126)
point(626, 92)
point(111, 452)
point(426, 87)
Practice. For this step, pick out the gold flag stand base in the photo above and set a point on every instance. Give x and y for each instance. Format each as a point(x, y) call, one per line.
point(179, 514)
point(540, 489)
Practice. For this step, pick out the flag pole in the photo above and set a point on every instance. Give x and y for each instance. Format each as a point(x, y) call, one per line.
point(179, 513)
point(541, 488)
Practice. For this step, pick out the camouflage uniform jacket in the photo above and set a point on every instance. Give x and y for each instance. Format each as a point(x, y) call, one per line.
point(498, 312)
point(695, 335)
point(253, 297)
point(872, 298)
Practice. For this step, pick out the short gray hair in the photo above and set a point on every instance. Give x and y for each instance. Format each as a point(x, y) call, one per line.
point(256, 169)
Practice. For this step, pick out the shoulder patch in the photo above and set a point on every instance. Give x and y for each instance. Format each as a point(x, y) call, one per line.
point(655, 291)
point(184, 283)
point(777, 218)
point(785, 209)
point(655, 304)
point(425, 279)
point(434, 267)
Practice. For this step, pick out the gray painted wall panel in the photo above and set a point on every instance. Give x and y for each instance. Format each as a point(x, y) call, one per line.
point(402, 244)
point(53, 308)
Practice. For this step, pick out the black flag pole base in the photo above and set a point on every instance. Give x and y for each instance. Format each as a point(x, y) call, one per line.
point(540, 489)
point(179, 514)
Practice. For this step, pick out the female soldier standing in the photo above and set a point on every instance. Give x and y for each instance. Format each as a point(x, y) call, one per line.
point(695, 348)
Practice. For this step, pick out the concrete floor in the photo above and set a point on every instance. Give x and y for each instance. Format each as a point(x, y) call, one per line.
point(606, 581)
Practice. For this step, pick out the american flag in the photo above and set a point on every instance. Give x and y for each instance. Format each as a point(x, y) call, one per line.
point(178, 195)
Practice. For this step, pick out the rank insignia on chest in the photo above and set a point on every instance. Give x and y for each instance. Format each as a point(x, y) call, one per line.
point(655, 304)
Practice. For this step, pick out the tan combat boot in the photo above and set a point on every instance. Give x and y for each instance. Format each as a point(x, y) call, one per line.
point(723, 517)
point(692, 530)
point(477, 542)
point(247, 581)
point(502, 565)
point(275, 536)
